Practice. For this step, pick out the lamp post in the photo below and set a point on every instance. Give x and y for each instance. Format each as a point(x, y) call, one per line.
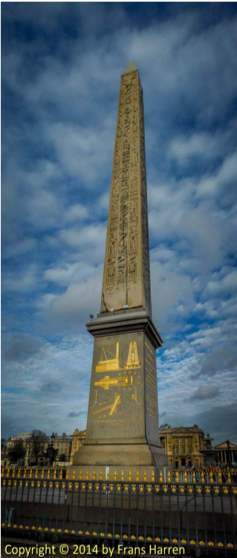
point(228, 453)
point(27, 455)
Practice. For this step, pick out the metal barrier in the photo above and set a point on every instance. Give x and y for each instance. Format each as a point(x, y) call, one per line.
point(186, 514)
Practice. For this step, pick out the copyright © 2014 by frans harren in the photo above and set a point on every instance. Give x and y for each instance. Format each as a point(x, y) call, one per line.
point(90, 550)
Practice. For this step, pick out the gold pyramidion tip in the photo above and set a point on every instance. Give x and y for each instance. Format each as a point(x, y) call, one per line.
point(130, 68)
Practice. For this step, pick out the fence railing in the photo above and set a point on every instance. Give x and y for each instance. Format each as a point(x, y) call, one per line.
point(187, 514)
point(207, 476)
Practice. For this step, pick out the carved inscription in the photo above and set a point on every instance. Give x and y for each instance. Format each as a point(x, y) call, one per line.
point(145, 237)
point(151, 383)
point(127, 251)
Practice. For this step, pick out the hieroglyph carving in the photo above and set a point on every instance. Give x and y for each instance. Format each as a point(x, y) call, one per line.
point(145, 237)
point(127, 255)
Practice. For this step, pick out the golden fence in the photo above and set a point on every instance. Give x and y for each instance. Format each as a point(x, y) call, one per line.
point(204, 476)
point(200, 515)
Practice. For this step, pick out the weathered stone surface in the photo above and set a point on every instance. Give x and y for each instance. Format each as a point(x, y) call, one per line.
point(126, 280)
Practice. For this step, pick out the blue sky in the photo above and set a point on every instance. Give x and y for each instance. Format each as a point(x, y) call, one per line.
point(61, 68)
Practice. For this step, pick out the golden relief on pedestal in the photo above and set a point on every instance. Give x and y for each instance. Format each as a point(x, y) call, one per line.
point(128, 381)
point(108, 365)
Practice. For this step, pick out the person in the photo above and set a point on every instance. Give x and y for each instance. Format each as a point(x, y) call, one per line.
point(197, 478)
point(223, 476)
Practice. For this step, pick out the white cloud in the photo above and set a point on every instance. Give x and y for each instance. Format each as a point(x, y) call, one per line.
point(71, 310)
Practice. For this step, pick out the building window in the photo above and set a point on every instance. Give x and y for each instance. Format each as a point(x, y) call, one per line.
point(183, 450)
point(189, 440)
point(176, 440)
point(182, 440)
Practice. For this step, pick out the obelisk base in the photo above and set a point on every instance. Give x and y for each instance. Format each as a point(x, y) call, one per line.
point(122, 425)
point(123, 458)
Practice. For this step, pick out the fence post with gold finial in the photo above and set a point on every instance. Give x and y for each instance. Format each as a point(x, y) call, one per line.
point(42, 474)
point(194, 477)
point(152, 476)
point(228, 477)
point(80, 475)
point(169, 476)
point(202, 477)
point(87, 475)
point(101, 476)
point(130, 476)
point(211, 477)
point(54, 474)
point(137, 477)
point(122, 476)
point(161, 477)
point(115, 475)
point(219, 477)
point(94, 476)
point(144, 477)
point(61, 475)
point(177, 476)
point(73, 475)
point(67, 474)
point(185, 476)
point(107, 478)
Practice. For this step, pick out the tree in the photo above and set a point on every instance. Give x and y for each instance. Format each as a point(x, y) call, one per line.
point(51, 453)
point(17, 451)
point(37, 444)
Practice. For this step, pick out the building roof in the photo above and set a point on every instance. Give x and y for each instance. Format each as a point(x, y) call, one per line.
point(180, 429)
point(224, 446)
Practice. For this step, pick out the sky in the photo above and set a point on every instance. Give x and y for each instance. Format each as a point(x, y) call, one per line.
point(61, 68)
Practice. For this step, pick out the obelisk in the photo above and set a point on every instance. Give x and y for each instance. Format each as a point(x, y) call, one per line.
point(122, 425)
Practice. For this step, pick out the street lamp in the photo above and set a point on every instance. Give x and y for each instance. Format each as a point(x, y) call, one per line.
point(27, 455)
point(228, 453)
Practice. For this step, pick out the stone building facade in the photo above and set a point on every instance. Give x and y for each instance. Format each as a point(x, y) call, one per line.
point(225, 452)
point(183, 445)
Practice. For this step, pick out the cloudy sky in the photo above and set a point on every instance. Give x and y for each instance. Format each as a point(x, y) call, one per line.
point(61, 68)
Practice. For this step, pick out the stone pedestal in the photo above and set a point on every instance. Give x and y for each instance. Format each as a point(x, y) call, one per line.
point(122, 425)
